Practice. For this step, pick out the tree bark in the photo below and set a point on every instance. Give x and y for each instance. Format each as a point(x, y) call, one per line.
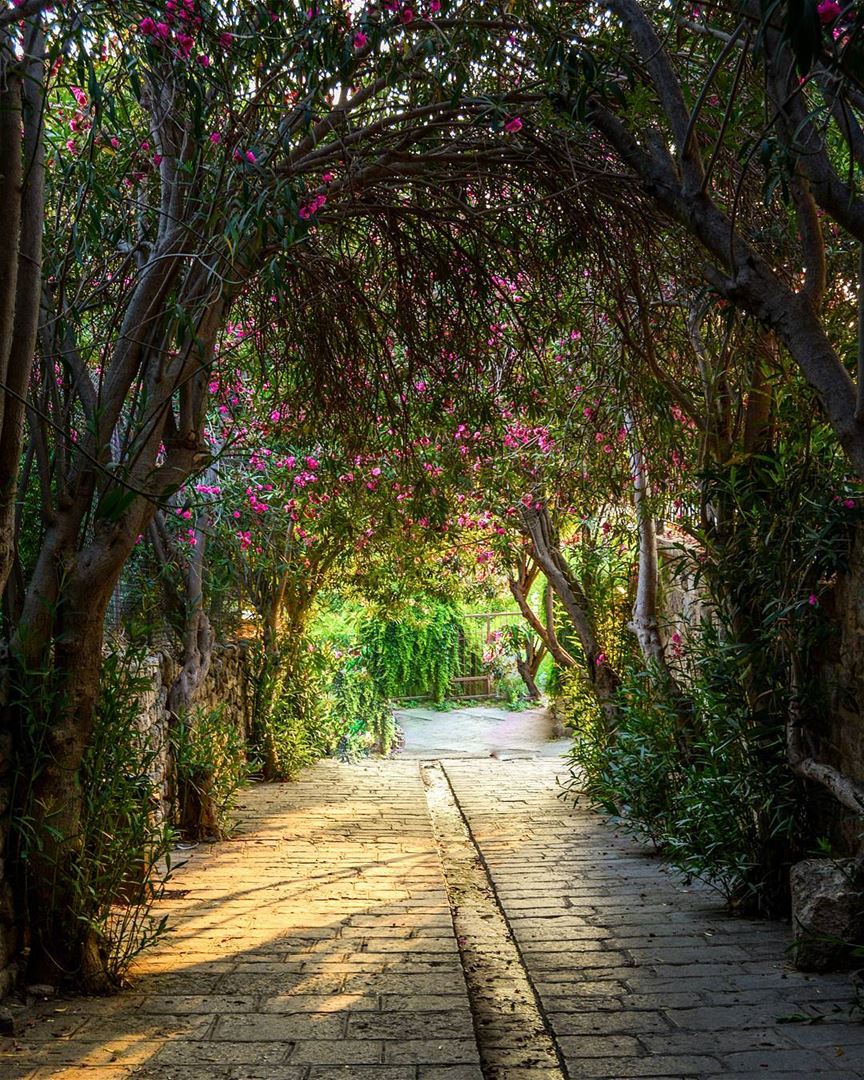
point(645, 623)
point(519, 589)
point(545, 552)
point(22, 174)
point(55, 715)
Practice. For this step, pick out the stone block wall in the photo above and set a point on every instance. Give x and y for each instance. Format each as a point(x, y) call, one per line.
point(683, 605)
point(8, 936)
point(227, 686)
point(839, 727)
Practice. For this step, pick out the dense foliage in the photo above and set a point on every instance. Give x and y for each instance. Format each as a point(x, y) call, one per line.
point(543, 310)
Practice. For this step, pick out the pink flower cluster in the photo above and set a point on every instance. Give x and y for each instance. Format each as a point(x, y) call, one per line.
point(311, 208)
point(828, 11)
point(518, 435)
point(179, 28)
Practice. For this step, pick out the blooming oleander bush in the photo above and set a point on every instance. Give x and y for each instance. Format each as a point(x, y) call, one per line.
point(706, 779)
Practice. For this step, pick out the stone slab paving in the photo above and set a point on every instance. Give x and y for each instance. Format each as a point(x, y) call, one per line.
point(640, 975)
point(317, 944)
point(480, 731)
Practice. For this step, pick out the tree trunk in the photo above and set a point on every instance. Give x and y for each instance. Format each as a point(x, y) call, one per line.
point(21, 220)
point(528, 667)
point(600, 672)
point(645, 624)
point(55, 711)
point(198, 639)
point(519, 588)
point(198, 818)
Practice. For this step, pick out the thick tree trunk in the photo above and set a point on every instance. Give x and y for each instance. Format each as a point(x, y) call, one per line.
point(600, 672)
point(21, 220)
point(56, 711)
point(284, 618)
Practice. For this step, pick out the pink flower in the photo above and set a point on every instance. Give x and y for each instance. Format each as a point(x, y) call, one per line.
point(226, 40)
point(849, 504)
point(360, 40)
point(203, 60)
point(157, 160)
point(162, 31)
point(828, 11)
point(434, 7)
point(813, 600)
point(305, 212)
point(147, 26)
point(513, 125)
point(215, 138)
point(327, 178)
point(601, 659)
point(407, 16)
point(250, 157)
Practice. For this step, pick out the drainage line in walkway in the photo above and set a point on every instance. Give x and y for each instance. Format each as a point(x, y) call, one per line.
point(512, 1034)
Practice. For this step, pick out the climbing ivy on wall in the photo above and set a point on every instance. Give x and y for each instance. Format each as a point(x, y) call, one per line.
point(415, 651)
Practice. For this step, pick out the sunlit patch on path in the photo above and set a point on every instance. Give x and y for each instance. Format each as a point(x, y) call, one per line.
point(320, 944)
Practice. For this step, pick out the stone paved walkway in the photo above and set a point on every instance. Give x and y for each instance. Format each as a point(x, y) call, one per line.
point(638, 974)
point(320, 944)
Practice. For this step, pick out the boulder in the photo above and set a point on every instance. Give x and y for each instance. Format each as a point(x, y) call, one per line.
point(827, 914)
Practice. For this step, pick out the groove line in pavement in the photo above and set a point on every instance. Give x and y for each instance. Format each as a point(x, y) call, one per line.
point(513, 1037)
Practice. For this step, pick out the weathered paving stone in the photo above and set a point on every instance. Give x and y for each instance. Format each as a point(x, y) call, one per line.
point(431, 1051)
point(319, 944)
point(284, 944)
point(362, 1072)
point(700, 994)
point(438, 1072)
point(337, 1052)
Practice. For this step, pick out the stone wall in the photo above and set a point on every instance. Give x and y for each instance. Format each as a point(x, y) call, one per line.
point(682, 603)
point(839, 729)
point(227, 685)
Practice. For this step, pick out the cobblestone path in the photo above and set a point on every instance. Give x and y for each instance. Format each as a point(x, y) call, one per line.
point(320, 944)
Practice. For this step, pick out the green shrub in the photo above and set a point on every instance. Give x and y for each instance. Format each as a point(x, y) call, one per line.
point(417, 653)
point(365, 716)
point(122, 853)
point(211, 766)
point(711, 785)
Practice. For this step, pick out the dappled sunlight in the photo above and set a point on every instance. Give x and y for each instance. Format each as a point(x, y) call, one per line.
point(309, 937)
